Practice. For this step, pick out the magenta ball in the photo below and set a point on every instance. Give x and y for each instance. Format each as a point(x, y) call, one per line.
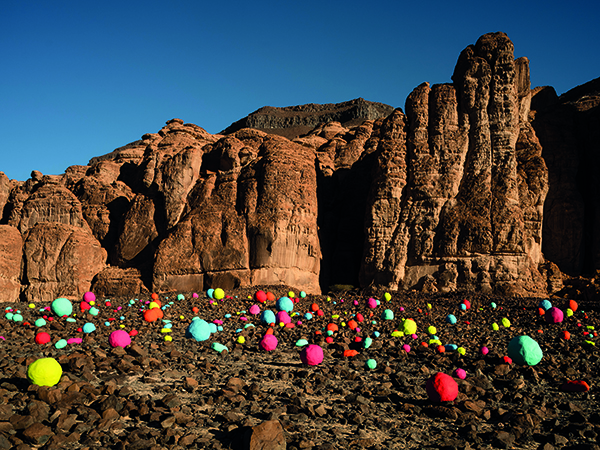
point(312, 355)
point(460, 373)
point(372, 303)
point(89, 297)
point(282, 316)
point(268, 342)
point(119, 338)
point(441, 388)
point(554, 315)
point(485, 350)
point(406, 348)
point(254, 309)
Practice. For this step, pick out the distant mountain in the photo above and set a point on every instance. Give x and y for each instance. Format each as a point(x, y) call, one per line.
point(294, 121)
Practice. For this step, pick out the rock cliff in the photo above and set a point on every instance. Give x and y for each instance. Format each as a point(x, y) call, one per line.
point(481, 184)
point(294, 121)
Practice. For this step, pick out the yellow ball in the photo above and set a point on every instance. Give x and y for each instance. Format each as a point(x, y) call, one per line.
point(431, 329)
point(291, 294)
point(44, 372)
point(241, 339)
point(92, 303)
point(31, 305)
point(409, 326)
point(153, 305)
point(168, 338)
point(219, 294)
point(387, 296)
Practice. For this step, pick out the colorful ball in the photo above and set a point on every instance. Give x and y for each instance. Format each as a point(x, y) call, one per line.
point(524, 351)
point(119, 338)
point(42, 338)
point(441, 388)
point(89, 327)
point(254, 310)
point(554, 315)
point(199, 330)
point(371, 364)
point(62, 307)
point(312, 355)
point(409, 326)
point(285, 304)
point(451, 319)
point(261, 296)
point(218, 294)
point(267, 317)
point(388, 314)
point(282, 317)
point(545, 305)
point(44, 372)
point(89, 297)
point(460, 373)
point(268, 342)
point(372, 303)
point(210, 293)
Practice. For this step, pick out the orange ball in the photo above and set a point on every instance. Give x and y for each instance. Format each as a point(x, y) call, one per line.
point(154, 296)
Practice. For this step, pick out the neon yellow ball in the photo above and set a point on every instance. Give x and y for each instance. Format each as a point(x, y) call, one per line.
point(168, 338)
point(431, 330)
point(410, 326)
point(241, 339)
point(44, 372)
point(219, 294)
point(153, 305)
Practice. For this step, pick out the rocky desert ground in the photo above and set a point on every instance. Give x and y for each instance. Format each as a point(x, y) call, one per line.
point(180, 394)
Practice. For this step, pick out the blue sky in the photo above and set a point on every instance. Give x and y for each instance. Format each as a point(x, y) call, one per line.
point(79, 79)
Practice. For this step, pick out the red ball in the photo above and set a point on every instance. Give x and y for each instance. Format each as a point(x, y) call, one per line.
point(441, 388)
point(261, 296)
point(42, 338)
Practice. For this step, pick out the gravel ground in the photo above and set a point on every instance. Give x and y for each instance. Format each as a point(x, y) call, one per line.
point(183, 394)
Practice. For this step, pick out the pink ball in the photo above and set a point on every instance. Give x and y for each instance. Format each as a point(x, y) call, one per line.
point(484, 351)
point(554, 315)
point(194, 295)
point(372, 303)
point(312, 355)
point(406, 348)
point(119, 338)
point(282, 316)
point(269, 342)
point(254, 309)
point(89, 297)
point(441, 388)
point(460, 373)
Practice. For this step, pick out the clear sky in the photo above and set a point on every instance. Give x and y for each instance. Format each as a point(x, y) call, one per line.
point(81, 78)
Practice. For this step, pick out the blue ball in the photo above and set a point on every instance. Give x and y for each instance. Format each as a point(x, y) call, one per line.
point(545, 305)
point(267, 317)
point(89, 327)
point(451, 319)
point(210, 293)
point(463, 307)
point(285, 304)
point(199, 330)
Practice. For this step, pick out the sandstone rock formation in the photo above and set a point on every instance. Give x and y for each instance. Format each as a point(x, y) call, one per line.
point(461, 198)
point(294, 121)
point(454, 194)
point(568, 128)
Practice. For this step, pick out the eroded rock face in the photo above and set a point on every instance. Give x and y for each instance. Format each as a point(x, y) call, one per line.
point(450, 195)
point(11, 251)
point(569, 131)
point(250, 221)
point(462, 199)
point(60, 260)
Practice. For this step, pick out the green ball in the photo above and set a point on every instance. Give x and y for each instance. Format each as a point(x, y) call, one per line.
point(388, 314)
point(218, 294)
point(371, 364)
point(62, 307)
point(524, 351)
point(44, 372)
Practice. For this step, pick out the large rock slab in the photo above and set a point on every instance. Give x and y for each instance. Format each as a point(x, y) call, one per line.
point(11, 251)
point(60, 261)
